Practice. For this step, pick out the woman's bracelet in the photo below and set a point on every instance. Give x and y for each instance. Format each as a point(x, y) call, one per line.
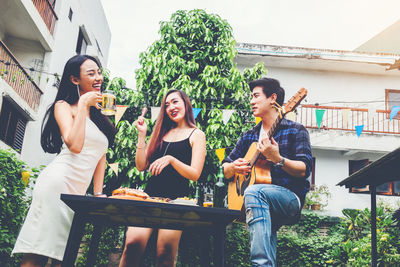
point(140, 147)
point(97, 194)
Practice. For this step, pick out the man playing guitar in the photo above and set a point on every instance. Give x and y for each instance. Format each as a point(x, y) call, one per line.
point(288, 155)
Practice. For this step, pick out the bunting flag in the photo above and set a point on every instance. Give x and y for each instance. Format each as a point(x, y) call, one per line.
point(291, 116)
point(359, 129)
point(393, 113)
point(226, 115)
point(154, 113)
point(119, 113)
point(25, 177)
point(220, 153)
point(196, 112)
point(114, 167)
point(345, 116)
point(258, 119)
point(319, 113)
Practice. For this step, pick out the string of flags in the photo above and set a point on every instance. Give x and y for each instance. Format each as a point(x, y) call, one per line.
point(226, 115)
point(319, 114)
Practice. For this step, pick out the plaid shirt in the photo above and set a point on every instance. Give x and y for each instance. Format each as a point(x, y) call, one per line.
point(294, 144)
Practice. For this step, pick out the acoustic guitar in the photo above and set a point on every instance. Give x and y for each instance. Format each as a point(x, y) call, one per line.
point(260, 166)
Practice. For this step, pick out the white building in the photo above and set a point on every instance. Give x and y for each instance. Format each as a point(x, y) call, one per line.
point(37, 37)
point(360, 87)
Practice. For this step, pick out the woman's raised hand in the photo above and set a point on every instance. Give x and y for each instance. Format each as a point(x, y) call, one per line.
point(141, 125)
point(91, 99)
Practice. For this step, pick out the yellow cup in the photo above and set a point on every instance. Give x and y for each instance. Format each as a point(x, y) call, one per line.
point(207, 204)
point(108, 106)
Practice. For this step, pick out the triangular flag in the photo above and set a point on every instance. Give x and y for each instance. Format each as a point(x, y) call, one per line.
point(394, 112)
point(319, 113)
point(25, 177)
point(154, 113)
point(220, 153)
point(291, 116)
point(196, 112)
point(258, 119)
point(114, 167)
point(119, 113)
point(345, 116)
point(359, 129)
point(226, 115)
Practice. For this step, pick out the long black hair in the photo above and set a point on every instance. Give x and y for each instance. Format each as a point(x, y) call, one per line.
point(51, 137)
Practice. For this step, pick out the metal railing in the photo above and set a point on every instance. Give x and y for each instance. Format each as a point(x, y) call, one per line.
point(345, 119)
point(47, 13)
point(15, 75)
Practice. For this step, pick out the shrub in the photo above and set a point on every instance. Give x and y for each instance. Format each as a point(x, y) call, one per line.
point(13, 204)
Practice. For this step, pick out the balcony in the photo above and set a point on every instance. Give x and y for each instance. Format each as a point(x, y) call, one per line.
point(15, 75)
point(46, 11)
point(374, 121)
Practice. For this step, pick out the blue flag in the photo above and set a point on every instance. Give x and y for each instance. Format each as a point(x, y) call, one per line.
point(196, 112)
point(394, 111)
point(359, 129)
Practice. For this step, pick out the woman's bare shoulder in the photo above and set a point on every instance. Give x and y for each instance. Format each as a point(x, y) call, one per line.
point(197, 134)
point(62, 106)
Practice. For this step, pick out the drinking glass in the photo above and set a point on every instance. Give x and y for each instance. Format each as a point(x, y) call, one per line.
point(108, 106)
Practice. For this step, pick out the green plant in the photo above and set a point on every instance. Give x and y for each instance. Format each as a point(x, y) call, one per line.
point(195, 53)
point(13, 203)
point(319, 195)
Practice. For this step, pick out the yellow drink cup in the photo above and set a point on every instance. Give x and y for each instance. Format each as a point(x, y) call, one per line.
point(108, 106)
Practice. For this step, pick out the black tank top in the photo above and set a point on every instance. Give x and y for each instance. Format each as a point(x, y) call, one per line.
point(169, 183)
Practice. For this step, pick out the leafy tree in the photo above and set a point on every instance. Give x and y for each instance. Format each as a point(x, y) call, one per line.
point(195, 53)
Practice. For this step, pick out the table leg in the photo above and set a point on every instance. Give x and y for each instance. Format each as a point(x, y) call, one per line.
point(94, 245)
point(205, 248)
point(74, 239)
point(219, 245)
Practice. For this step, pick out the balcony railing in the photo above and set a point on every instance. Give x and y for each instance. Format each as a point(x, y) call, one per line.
point(345, 119)
point(46, 11)
point(15, 75)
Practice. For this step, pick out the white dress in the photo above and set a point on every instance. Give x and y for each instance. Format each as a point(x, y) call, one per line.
point(47, 225)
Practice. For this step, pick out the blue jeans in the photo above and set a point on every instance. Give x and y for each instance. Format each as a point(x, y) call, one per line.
point(268, 207)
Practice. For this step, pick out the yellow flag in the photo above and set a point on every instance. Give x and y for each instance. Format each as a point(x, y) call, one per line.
point(114, 167)
point(119, 113)
point(220, 153)
point(258, 119)
point(25, 177)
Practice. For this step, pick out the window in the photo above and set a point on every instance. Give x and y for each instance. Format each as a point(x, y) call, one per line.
point(70, 13)
point(12, 125)
point(82, 44)
point(391, 188)
point(98, 48)
point(392, 98)
point(356, 165)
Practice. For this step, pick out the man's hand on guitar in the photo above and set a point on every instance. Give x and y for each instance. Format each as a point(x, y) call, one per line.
point(270, 149)
point(241, 166)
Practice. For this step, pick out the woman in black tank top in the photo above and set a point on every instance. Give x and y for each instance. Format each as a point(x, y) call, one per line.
point(175, 154)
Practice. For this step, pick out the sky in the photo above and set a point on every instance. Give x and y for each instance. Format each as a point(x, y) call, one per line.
point(324, 24)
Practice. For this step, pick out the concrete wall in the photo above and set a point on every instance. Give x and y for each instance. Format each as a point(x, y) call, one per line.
point(331, 167)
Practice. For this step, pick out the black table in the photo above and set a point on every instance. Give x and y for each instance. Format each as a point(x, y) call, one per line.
point(383, 170)
point(116, 212)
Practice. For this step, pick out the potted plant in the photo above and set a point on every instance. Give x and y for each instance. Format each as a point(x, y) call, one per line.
point(317, 198)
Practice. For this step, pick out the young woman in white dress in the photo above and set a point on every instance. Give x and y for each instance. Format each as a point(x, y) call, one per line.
point(73, 127)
